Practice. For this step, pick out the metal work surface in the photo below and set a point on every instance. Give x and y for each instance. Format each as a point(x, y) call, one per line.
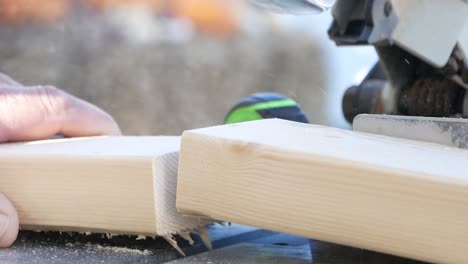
point(263, 247)
point(251, 254)
point(446, 131)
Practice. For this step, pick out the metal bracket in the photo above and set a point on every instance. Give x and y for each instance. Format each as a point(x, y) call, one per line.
point(452, 132)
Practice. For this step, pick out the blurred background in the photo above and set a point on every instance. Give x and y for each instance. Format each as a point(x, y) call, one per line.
point(163, 66)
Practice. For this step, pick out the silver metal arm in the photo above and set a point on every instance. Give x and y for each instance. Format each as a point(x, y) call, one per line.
point(295, 6)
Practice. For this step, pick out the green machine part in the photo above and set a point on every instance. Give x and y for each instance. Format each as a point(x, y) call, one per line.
point(266, 105)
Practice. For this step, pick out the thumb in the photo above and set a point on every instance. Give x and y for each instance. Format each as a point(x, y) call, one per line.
point(9, 223)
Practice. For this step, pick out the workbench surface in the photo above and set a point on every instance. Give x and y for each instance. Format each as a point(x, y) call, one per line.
point(232, 244)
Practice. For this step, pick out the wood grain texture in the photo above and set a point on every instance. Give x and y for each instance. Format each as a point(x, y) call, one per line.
point(98, 184)
point(385, 194)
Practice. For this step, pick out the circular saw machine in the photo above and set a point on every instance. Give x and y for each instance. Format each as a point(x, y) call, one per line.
point(422, 47)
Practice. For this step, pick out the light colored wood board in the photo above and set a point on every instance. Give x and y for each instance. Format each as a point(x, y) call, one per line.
point(70, 194)
point(98, 184)
point(165, 189)
point(104, 146)
point(385, 194)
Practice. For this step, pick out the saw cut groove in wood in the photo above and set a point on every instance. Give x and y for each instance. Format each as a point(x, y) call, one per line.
point(385, 194)
point(122, 185)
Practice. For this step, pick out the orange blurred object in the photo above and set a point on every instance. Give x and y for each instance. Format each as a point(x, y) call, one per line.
point(156, 5)
point(17, 11)
point(218, 17)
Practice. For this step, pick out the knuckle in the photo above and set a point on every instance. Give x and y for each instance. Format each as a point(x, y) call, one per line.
point(53, 100)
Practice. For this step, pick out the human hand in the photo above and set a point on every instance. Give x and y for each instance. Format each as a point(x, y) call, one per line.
point(40, 112)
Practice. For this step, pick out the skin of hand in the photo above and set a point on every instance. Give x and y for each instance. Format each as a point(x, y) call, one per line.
point(40, 112)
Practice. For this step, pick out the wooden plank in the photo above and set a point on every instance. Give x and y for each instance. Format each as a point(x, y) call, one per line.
point(391, 195)
point(123, 185)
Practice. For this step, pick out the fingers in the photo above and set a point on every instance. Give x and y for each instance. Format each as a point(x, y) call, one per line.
point(40, 112)
point(5, 79)
point(84, 119)
point(9, 223)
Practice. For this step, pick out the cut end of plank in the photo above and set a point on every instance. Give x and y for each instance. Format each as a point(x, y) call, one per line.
point(168, 220)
